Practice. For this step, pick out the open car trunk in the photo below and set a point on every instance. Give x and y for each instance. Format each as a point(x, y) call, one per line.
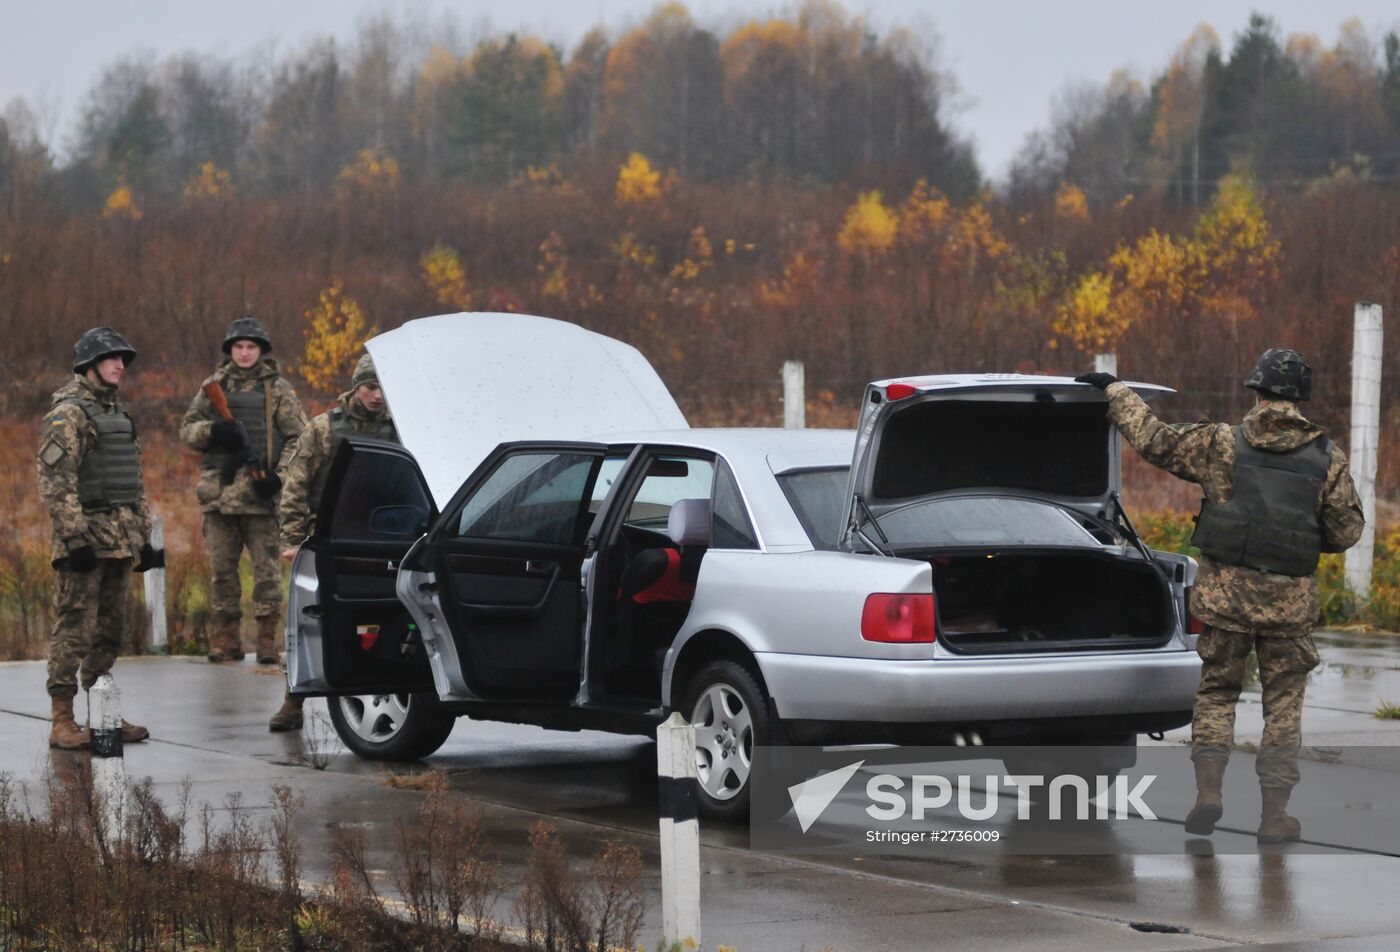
point(1033, 601)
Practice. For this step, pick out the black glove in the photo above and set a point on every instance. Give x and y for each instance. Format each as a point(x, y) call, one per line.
point(81, 559)
point(226, 435)
point(268, 486)
point(1097, 379)
point(151, 558)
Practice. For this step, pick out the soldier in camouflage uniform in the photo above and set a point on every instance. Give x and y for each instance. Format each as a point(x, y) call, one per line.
point(89, 477)
point(1277, 494)
point(239, 511)
point(361, 411)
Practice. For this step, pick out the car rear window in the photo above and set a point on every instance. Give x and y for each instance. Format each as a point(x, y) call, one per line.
point(818, 496)
point(976, 521)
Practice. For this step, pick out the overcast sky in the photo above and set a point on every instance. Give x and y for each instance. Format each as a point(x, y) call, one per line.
point(1010, 58)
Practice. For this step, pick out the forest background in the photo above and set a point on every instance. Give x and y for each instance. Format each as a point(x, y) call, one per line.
point(788, 188)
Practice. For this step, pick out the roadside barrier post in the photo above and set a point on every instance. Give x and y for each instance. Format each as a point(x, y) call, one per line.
point(154, 582)
point(680, 832)
point(794, 395)
point(108, 765)
point(1106, 364)
point(1367, 336)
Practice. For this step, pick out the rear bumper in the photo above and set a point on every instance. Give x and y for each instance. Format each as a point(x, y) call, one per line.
point(946, 690)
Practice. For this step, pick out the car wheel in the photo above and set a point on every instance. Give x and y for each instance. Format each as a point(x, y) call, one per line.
point(390, 726)
point(729, 712)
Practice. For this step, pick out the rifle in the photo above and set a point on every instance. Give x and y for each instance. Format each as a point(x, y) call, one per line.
point(257, 469)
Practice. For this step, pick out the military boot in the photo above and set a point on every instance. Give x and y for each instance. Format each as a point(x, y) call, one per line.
point(1206, 812)
point(226, 641)
point(288, 716)
point(65, 733)
point(267, 640)
point(1275, 825)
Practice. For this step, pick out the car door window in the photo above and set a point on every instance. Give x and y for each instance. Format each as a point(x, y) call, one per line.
point(730, 527)
point(531, 497)
point(381, 498)
point(669, 479)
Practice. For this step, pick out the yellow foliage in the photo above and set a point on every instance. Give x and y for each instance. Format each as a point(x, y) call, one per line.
point(699, 255)
point(121, 204)
point(976, 232)
point(628, 250)
point(1070, 204)
point(337, 333)
point(209, 184)
point(442, 270)
point(1088, 318)
point(637, 182)
point(1234, 232)
point(373, 170)
point(870, 225)
point(924, 213)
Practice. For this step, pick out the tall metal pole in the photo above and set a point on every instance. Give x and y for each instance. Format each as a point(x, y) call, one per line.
point(1365, 438)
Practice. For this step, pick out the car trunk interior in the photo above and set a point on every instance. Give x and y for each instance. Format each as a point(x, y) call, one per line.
point(1049, 601)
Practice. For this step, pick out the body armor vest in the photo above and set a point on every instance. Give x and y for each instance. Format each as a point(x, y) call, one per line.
point(1270, 523)
point(249, 408)
point(343, 425)
point(110, 474)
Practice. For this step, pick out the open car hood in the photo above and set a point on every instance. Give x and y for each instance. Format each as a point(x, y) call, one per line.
point(1020, 434)
point(458, 385)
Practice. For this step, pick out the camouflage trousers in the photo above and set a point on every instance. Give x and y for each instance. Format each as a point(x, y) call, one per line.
point(90, 608)
point(1284, 663)
point(225, 538)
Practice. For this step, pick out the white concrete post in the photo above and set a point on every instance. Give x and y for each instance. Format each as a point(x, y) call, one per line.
point(794, 395)
point(1365, 438)
point(1106, 364)
point(108, 766)
point(680, 832)
point(154, 582)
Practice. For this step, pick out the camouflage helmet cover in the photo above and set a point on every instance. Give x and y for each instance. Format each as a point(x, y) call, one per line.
point(97, 343)
point(247, 327)
point(364, 372)
point(1282, 372)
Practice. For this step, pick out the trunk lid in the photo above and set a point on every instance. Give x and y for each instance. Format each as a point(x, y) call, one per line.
point(1019, 434)
point(459, 385)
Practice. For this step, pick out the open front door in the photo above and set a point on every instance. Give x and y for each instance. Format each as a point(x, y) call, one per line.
point(347, 632)
point(507, 558)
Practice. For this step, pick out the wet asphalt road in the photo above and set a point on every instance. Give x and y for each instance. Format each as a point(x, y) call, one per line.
point(209, 726)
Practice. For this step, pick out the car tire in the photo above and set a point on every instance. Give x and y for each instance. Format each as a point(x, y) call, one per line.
point(397, 727)
point(730, 714)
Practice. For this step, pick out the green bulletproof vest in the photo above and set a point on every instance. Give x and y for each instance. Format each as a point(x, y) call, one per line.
point(249, 407)
point(1270, 523)
point(343, 425)
point(110, 474)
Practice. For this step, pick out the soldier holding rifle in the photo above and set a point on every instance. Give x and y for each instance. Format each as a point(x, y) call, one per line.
point(246, 420)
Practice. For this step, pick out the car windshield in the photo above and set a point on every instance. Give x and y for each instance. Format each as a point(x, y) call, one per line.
point(819, 496)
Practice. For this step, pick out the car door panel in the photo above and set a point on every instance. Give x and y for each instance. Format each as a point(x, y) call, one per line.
point(508, 570)
point(355, 636)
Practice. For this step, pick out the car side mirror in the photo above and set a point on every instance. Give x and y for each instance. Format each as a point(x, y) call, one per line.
point(399, 520)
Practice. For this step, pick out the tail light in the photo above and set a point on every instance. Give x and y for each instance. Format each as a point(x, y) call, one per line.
point(898, 619)
point(898, 391)
point(369, 636)
point(1194, 626)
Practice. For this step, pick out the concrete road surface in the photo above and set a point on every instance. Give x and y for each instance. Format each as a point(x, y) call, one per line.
point(209, 725)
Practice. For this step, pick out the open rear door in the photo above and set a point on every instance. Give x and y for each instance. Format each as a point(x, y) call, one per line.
point(347, 632)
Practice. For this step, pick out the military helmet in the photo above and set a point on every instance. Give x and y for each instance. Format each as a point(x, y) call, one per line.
point(97, 343)
point(247, 327)
point(1282, 373)
point(364, 372)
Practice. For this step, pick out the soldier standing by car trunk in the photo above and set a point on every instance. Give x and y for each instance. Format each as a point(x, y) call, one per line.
point(90, 480)
point(239, 502)
point(1277, 494)
point(361, 411)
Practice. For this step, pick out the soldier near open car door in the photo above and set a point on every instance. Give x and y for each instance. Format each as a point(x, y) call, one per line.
point(1277, 494)
point(360, 411)
point(89, 476)
point(245, 420)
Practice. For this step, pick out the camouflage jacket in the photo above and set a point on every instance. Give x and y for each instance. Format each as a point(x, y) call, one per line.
point(238, 498)
point(66, 436)
point(1231, 596)
point(311, 452)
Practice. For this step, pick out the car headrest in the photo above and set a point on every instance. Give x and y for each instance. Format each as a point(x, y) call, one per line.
point(689, 523)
